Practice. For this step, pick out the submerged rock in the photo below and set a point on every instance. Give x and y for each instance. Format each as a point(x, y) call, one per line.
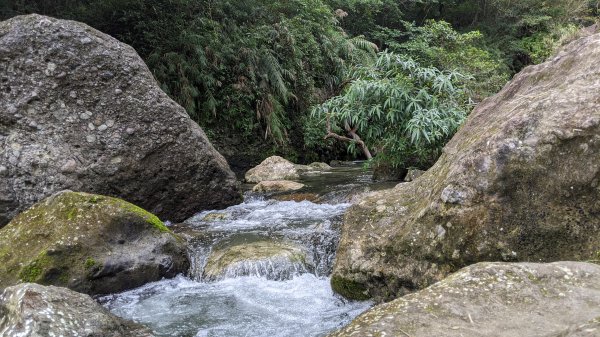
point(31, 310)
point(320, 166)
point(273, 168)
point(312, 197)
point(79, 110)
point(277, 186)
point(89, 243)
point(271, 259)
point(520, 181)
point(494, 299)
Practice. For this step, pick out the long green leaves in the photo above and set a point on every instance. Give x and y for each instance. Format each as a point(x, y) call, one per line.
point(403, 110)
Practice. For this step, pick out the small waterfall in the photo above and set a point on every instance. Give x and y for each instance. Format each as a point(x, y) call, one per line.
point(275, 269)
point(260, 268)
point(276, 240)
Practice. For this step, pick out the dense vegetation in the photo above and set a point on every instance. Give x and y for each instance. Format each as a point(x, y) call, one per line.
point(393, 77)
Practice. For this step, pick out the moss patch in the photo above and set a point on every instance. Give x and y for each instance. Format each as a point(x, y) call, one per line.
point(89, 263)
point(33, 272)
point(350, 289)
point(149, 217)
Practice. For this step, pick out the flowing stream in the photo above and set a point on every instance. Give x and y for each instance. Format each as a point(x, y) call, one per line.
point(260, 268)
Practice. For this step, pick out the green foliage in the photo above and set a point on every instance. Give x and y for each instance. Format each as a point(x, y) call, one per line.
point(437, 44)
point(252, 70)
point(402, 110)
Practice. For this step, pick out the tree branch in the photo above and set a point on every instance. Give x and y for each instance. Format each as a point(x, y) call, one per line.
point(352, 132)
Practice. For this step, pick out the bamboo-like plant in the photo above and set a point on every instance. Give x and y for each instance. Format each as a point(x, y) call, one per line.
point(401, 111)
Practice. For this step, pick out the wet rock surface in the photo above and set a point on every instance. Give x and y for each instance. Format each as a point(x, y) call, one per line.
point(494, 299)
point(277, 186)
point(31, 310)
point(276, 260)
point(79, 110)
point(90, 243)
point(520, 181)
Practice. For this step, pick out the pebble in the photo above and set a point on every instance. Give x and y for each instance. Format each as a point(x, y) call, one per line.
point(86, 40)
point(130, 131)
point(69, 167)
point(102, 127)
point(3, 170)
point(90, 138)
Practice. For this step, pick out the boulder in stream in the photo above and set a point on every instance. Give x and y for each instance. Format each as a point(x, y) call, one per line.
point(494, 299)
point(90, 243)
point(273, 168)
point(267, 186)
point(269, 258)
point(32, 310)
point(520, 181)
point(80, 110)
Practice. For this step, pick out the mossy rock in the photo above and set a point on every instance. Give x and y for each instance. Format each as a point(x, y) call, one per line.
point(520, 181)
point(90, 243)
point(268, 258)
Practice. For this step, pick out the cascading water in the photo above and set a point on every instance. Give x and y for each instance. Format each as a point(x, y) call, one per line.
point(258, 269)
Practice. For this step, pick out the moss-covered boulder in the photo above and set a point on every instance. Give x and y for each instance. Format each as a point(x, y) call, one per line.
point(90, 243)
point(33, 310)
point(266, 258)
point(520, 181)
point(494, 299)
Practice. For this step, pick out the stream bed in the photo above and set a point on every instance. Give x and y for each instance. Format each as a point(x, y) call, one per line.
point(260, 268)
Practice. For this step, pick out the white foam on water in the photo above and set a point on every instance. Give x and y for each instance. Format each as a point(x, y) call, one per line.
point(245, 306)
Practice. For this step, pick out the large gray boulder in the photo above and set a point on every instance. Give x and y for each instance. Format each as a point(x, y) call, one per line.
point(520, 181)
point(33, 310)
point(79, 110)
point(494, 300)
point(90, 243)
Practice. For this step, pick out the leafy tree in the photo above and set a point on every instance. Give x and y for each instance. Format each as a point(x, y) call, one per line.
point(438, 45)
point(402, 111)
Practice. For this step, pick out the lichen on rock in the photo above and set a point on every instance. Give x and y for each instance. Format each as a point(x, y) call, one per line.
point(493, 299)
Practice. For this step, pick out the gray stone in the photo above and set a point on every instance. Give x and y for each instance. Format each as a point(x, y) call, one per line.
point(33, 310)
point(518, 182)
point(277, 186)
point(169, 167)
point(559, 299)
point(273, 168)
